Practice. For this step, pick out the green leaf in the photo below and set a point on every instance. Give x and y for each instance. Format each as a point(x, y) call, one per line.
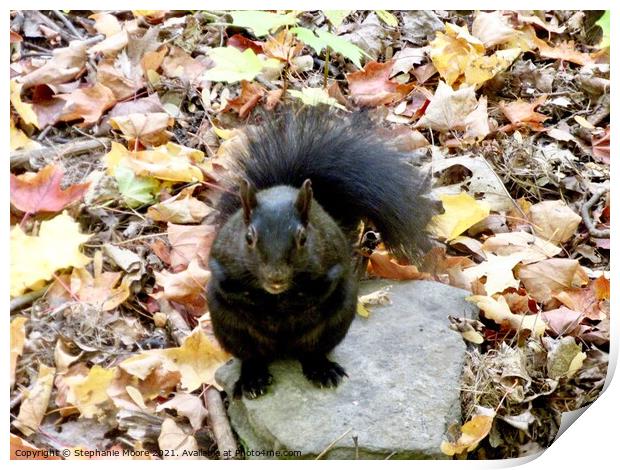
point(261, 22)
point(232, 65)
point(327, 39)
point(308, 37)
point(387, 18)
point(603, 22)
point(136, 190)
point(315, 96)
point(336, 17)
point(342, 46)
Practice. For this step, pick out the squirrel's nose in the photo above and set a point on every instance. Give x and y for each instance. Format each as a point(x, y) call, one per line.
point(276, 283)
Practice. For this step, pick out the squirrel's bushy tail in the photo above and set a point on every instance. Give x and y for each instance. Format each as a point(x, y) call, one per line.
point(356, 175)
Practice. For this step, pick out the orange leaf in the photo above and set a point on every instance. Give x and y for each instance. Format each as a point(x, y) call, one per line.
point(373, 87)
point(87, 103)
point(41, 192)
point(522, 113)
point(382, 266)
point(251, 94)
point(565, 51)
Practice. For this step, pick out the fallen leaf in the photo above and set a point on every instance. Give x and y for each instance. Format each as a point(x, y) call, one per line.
point(106, 24)
point(19, 140)
point(406, 58)
point(179, 64)
point(66, 63)
point(24, 110)
point(373, 87)
point(547, 278)
point(170, 162)
point(521, 113)
point(189, 242)
point(150, 129)
point(232, 65)
point(497, 309)
point(451, 110)
point(89, 393)
point(565, 51)
point(35, 402)
point(196, 360)
point(87, 103)
point(242, 43)
point(251, 93)
point(18, 338)
point(601, 147)
point(190, 406)
point(461, 211)
point(554, 221)
point(101, 289)
point(530, 247)
point(41, 192)
point(586, 300)
point(283, 46)
point(492, 28)
point(565, 357)
point(315, 96)
point(23, 450)
point(175, 443)
point(381, 265)
point(563, 321)
point(498, 272)
point(180, 209)
point(35, 259)
point(135, 190)
point(183, 284)
point(472, 432)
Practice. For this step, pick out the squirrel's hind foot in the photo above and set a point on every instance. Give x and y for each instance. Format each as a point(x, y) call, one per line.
point(322, 372)
point(253, 382)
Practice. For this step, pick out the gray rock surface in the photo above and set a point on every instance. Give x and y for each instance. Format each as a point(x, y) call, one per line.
point(404, 366)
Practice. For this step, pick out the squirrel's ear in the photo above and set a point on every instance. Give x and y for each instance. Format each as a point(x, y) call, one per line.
point(304, 199)
point(248, 199)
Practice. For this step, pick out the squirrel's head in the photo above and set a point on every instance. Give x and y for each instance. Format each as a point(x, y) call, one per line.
point(277, 233)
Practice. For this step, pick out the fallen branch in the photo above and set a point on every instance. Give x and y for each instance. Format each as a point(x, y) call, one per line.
point(224, 437)
point(26, 299)
point(24, 158)
point(587, 220)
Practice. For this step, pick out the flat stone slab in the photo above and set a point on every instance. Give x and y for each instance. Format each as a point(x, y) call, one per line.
point(404, 366)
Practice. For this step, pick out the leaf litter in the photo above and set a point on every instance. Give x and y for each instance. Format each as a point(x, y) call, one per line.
point(110, 332)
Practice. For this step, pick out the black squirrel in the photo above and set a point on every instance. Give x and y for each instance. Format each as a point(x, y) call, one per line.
point(283, 279)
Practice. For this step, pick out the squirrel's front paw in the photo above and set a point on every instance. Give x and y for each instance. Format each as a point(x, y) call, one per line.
point(323, 373)
point(252, 384)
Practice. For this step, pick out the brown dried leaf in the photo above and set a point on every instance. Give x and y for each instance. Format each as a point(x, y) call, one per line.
point(547, 278)
point(87, 104)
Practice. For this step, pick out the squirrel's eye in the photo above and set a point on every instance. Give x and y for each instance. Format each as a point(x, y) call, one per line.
point(302, 236)
point(250, 236)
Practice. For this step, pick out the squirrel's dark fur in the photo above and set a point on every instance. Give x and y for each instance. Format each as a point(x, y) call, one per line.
point(283, 281)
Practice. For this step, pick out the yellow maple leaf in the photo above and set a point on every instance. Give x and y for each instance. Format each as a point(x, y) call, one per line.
point(196, 360)
point(170, 162)
point(34, 405)
point(35, 259)
point(459, 56)
point(18, 338)
point(461, 212)
point(90, 392)
point(25, 110)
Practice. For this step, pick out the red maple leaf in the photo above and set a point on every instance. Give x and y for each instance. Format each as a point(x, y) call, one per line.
point(41, 192)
